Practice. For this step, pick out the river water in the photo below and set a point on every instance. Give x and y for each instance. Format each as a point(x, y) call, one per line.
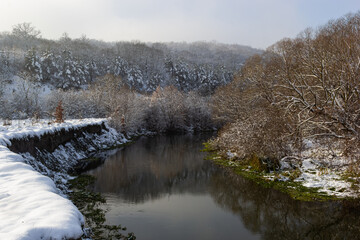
point(162, 188)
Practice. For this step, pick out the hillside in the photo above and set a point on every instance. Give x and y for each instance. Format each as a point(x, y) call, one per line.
point(75, 63)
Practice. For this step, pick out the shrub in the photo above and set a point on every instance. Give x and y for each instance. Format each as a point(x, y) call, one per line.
point(59, 117)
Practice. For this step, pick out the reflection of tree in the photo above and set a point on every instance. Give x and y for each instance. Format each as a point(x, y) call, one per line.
point(153, 167)
point(276, 216)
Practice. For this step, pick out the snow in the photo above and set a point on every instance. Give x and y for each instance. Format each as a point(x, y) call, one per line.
point(30, 204)
point(322, 167)
point(230, 154)
point(17, 83)
point(27, 128)
point(328, 181)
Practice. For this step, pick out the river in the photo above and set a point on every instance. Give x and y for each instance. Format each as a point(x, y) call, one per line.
point(162, 188)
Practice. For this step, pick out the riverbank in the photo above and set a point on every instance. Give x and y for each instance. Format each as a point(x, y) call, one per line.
point(317, 174)
point(32, 206)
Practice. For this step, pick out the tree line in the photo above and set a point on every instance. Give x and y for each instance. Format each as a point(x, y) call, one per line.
point(307, 88)
point(155, 86)
point(72, 63)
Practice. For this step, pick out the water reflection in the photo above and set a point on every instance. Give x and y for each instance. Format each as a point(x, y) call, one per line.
point(276, 216)
point(161, 188)
point(156, 166)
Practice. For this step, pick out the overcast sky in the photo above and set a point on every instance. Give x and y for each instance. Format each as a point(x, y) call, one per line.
point(257, 23)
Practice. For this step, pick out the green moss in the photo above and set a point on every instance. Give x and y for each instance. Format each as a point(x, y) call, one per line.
point(207, 147)
point(256, 173)
point(89, 203)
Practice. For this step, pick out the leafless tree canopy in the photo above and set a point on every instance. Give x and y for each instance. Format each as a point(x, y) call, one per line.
point(25, 30)
point(307, 87)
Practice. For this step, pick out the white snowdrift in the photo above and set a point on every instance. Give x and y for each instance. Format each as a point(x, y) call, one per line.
point(30, 206)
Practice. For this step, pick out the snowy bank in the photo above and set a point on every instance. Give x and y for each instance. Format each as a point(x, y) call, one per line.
point(31, 206)
point(322, 169)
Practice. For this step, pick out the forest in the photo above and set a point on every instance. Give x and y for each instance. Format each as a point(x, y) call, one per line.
point(153, 86)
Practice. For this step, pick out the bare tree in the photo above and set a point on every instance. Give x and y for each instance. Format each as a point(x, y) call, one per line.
point(309, 85)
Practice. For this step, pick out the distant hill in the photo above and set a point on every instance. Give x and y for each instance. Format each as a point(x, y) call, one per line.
point(74, 63)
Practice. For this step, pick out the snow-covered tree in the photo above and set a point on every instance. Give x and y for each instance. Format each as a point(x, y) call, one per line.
point(33, 64)
point(49, 65)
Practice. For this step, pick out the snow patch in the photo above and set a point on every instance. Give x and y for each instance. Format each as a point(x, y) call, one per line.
point(322, 167)
point(30, 207)
point(30, 204)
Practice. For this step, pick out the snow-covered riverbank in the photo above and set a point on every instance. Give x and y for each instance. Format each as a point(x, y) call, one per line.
point(317, 172)
point(31, 206)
